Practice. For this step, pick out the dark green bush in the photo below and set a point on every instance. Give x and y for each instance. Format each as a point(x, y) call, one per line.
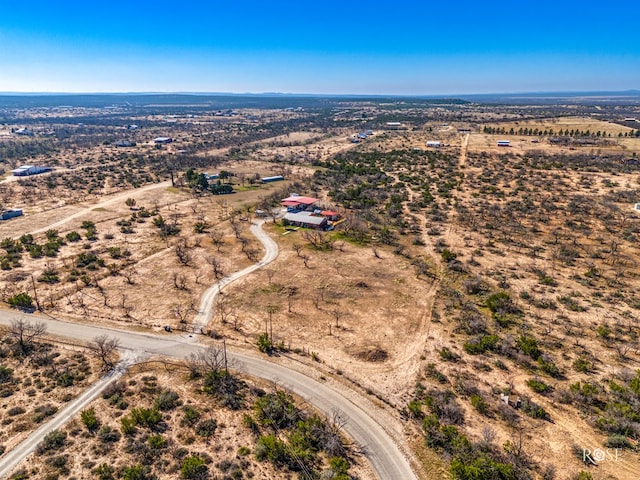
point(167, 400)
point(482, 344)
point(529, 346)
point(538, 386)
point(207, 428)
point(21, 301)
point(53, 440)
point(194, 467)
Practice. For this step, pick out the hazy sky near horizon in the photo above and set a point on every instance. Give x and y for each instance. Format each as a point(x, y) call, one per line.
point(327, 47)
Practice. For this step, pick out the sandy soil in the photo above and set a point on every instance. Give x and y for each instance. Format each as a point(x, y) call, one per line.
point(85, 450)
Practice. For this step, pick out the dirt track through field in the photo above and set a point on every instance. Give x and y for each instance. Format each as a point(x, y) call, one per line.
point(118, 197)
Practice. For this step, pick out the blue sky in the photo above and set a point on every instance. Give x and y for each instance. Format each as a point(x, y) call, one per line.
point(332, 47)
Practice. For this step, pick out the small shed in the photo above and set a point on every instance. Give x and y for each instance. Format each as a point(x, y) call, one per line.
point(11, 213)
point(330, 214)
point(511, 400)
point(275, 178)
point(26, 170)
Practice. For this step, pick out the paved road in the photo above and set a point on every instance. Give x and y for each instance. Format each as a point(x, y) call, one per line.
point(13, 458)
point(366, 424)
point(207, 301)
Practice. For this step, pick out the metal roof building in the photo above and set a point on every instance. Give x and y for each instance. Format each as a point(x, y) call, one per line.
point(305, 220)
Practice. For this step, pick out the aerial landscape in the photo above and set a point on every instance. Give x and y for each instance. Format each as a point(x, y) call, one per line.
point(419, 261)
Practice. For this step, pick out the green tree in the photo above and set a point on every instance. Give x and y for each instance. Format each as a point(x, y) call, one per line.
point(89, 419)
point(264, 343)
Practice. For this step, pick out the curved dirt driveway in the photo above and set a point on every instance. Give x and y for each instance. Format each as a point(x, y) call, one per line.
point(205, 310)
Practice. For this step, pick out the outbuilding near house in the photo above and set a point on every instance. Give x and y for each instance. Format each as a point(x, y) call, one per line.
point(26, 170)
point(275, 178)
point(11, 213)
point(305, 219)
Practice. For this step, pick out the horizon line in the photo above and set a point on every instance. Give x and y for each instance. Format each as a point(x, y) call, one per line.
point(633, 92)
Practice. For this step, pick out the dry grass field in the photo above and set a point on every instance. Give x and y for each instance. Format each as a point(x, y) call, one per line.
point(362, 315)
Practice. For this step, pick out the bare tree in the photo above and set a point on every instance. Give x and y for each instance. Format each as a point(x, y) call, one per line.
point(183, 311)
point(270, 273)
point(488, 435)
point(179, 281)
point(226, 309)
point(129, 274)
point(217, 238)
point(183, 252)
point(333, 435)
point(212, 359)
point(126, 307)
point(271, 309)
point(217, 267)
point(290, 292)
point(337, 314)
point(623, 348)
point(25, 333)
point(237, 228)
point(104, 348)
point(318, 240)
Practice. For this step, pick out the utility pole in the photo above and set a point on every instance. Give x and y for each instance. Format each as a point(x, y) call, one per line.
point(224, 347)
point(35, 292)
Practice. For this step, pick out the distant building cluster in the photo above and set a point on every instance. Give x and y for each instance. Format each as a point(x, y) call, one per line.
point(357, 138)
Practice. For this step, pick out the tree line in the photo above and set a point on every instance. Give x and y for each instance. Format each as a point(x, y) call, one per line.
point(551, 132)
